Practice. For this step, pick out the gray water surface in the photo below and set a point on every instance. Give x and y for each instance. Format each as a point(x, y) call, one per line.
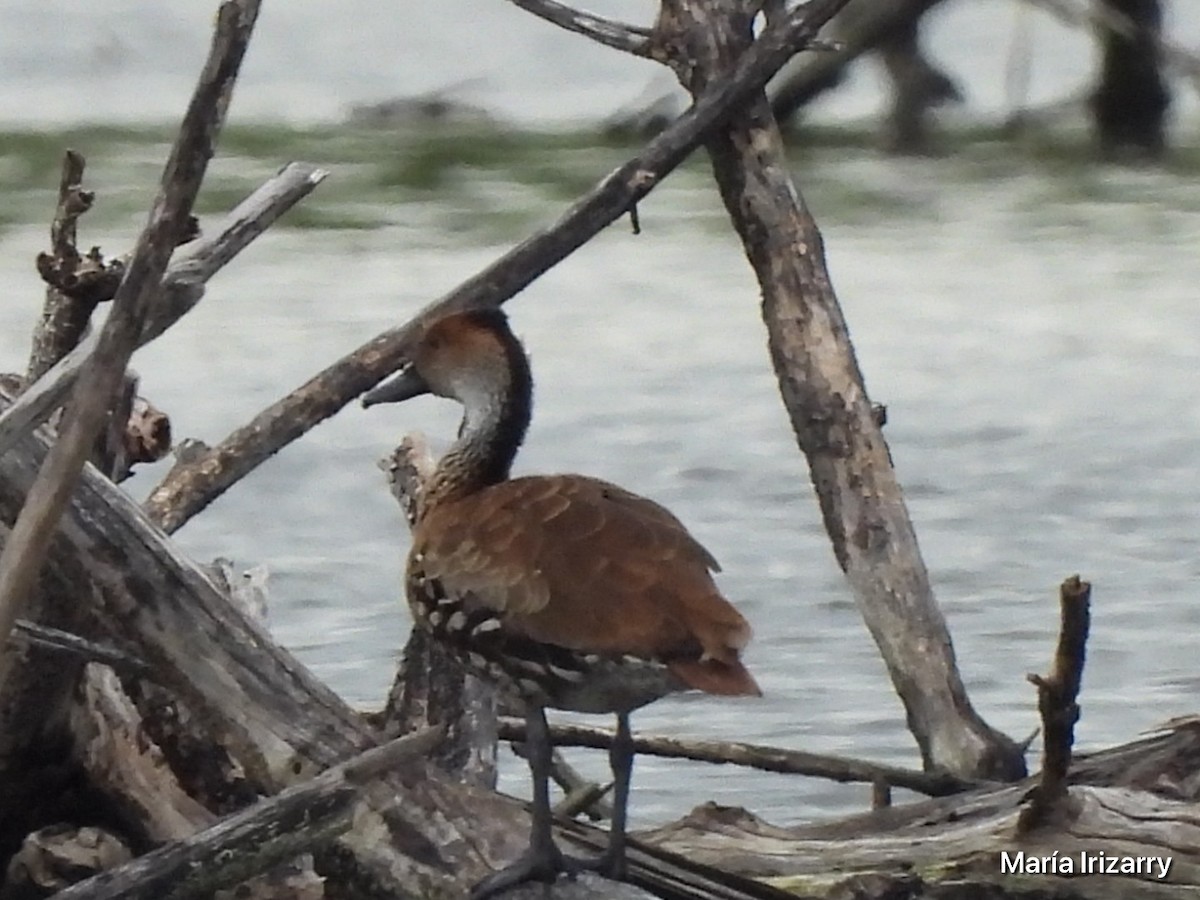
point(1039, 362)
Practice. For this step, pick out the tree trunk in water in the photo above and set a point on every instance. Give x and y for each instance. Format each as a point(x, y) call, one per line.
point(890, 28)
point(1129, 106)
point(832, 417)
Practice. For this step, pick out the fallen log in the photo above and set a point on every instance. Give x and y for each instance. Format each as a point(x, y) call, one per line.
point(956, 840)
point(297, 820)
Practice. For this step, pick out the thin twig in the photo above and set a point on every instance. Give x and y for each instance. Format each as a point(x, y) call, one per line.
point(26, 547)
point(610, 33)
point(1057, 694)
point(183, 286)
point(189, 489)
point(580, 794)
point(755, 756)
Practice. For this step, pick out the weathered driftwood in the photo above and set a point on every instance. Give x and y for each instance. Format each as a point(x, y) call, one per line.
point(831, 414)
point(57, 640)
point(35, 706)
point(618, 35)
point(191, 487)
point(125, 765)
point(958, 840)
point(57, 856)
point(276, 829)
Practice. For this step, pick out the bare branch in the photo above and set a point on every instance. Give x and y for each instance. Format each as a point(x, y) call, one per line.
point(610, 33)
point(190, 488)
point(755, 756)
point(65, 314)
point(26, 547)
point(182, 288)
point(1057, 694)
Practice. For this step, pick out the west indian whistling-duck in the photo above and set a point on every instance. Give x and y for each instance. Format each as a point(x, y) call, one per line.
point(566, 591)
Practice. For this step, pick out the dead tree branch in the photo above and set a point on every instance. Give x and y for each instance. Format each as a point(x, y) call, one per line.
point(755, 756)
point(102, 373)
point(69, 302)
point(1057, 694)
point(831, 414)
point(276, 829)
point(431, 688)
point(618, 35)
point(182, 287)
point(191, 487)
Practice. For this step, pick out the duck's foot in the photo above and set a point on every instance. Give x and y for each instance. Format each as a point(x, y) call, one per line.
point(542, 864)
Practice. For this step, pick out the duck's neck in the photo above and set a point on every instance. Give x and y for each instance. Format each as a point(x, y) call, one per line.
point(496, 414)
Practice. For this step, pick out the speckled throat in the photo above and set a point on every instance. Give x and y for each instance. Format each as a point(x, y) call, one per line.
point(493, 426)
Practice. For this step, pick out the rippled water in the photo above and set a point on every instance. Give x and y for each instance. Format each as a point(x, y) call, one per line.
point(1031, 326)
point(1034, 342)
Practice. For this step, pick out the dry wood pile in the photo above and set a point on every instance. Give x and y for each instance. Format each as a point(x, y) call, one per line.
point(156, 742)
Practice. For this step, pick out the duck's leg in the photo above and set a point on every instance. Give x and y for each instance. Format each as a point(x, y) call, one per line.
point(620, 756)
point(542, 861)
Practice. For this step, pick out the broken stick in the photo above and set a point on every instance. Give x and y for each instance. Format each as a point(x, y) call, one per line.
point(1057, 694)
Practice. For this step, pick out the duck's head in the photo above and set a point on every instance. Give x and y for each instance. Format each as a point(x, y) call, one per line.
point(472, 357)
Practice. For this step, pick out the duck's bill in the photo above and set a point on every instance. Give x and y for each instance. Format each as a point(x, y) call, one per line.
point(405, 386)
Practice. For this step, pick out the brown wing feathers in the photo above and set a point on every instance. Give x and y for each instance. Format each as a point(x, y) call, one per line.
point(583, 564)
